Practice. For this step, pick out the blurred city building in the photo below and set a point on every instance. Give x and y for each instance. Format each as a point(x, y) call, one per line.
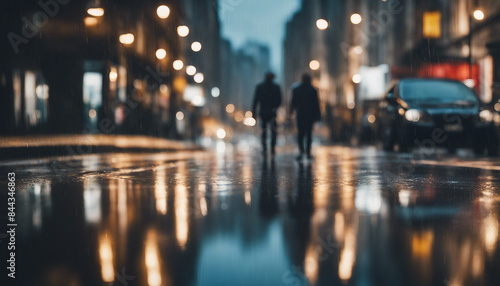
point(105, 66)
point(355, 48)
point(242, 70)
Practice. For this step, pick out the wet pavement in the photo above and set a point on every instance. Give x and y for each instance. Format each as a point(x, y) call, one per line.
point(228, 217)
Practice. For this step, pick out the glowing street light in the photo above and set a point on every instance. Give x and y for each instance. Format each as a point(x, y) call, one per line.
point(314, 65)
point(178, 65)
point(356, 78)
point(239, 116)
point(183, 31)
point(215, 92)
point(221, 133)
point(161, 54)
point(179, 115)
point(126, 39)
point(322, 24)
point(356, 18)
point(191, 70)
point(113, 75)
point(478, 15)
point(230, 108)
point(249, 121)
point(358, 50)
point(196, 46)
point(199, 77)
point(372, 118)
point(163, 11)
point(96, 12)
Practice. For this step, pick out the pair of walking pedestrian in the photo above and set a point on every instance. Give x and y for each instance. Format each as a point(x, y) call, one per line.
point(305, 104)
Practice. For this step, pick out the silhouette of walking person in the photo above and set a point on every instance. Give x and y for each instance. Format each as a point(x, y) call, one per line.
point(267, 99)
point(305, 103)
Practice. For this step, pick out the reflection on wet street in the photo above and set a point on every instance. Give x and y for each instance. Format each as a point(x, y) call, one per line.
point(350, 217)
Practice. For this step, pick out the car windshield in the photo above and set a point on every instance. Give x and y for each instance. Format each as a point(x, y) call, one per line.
point(437, 92)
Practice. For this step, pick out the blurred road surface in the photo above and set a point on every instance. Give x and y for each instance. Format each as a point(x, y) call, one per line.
point(231, 217)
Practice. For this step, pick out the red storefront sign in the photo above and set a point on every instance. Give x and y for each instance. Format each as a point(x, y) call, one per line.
point(455, 71)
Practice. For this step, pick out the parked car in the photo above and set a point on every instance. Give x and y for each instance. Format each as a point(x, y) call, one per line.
point(432, 113)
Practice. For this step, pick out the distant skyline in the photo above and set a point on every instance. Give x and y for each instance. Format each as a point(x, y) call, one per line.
point(263, 21)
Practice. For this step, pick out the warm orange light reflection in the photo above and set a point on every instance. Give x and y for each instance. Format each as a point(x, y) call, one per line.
point(321, 188)
point(122, 207)
point(181, 215)
point(248, 198)
point(477, 263)
point(347, 256)
point(152, 259)
point(422, 244)
point(106, 257)
point(339, 226)
point(161, 192)
point(203, 206)
point(347, 199)
point(311, 265)
point(490, 233)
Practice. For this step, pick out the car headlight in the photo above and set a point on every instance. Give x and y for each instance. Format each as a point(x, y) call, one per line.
point(486, 116)
point(413, 115)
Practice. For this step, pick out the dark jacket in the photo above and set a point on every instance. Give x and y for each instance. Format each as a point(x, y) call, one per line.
point(267, 98)
point(305, 102)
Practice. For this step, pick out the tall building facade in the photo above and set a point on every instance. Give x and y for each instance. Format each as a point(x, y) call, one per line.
point(102, 66)
point(242, 70)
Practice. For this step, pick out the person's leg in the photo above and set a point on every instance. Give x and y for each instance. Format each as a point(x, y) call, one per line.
point(300, 139)
point(264, 134)
point(274, 134)
point(308, 139)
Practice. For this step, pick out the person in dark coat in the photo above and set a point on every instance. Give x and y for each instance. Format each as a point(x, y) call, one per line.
point(267, 99)
point(305, 103)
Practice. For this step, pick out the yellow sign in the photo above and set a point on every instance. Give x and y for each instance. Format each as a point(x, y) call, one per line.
point(432, 25)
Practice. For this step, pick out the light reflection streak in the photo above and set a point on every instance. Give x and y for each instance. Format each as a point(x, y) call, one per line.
point(201, 197)
point(161, 191)
point(122, 206)
point(490, 232)
point(369, 198)
point(246, 175)
point(106, 257)
point(477, 263)
point(404, 198)
point(203, 206)
point(37, 207)
point(42, 203)
point(248, 198)
point(321, 188)
point(347, 198)
point(92, 201)
point(422, 244)
point(152, 259)
point(181, 215)
point(347, 255)
point(339, 226)
point(311, 264)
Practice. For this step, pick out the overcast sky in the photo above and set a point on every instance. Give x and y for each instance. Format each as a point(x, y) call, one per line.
point(260, 20)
